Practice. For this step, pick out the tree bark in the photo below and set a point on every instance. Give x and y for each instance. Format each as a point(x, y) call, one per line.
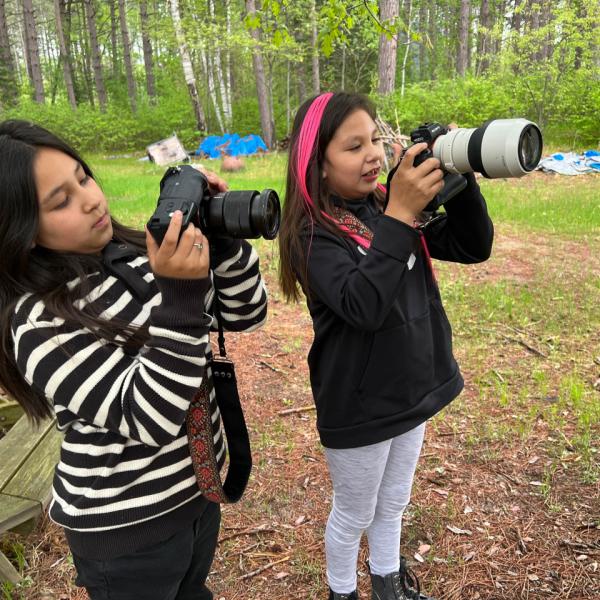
point(33, 52)
point(266, 117)
point(188, 70)
point(8, 81)
point(147, 45)
point(314, 42)
point(388, 46)
point(127, 55)
point(483, 37)
point(64, 53)
point(114, 44)
point(90, 14)
point(463, 35)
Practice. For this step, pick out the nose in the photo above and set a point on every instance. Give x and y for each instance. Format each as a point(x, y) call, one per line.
point(90, 201)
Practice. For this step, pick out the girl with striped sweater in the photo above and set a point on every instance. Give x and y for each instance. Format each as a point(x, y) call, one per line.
point(110, 333)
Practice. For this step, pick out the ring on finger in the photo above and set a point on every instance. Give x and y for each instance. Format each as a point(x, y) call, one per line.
point(199, 245)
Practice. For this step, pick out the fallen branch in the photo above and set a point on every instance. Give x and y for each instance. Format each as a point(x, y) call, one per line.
point(290, 411)
point(249, 531)
point(264, 363)
point(264, 568)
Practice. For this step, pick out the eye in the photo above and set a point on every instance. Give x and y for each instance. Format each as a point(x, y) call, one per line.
point(63, 204)
point(85, 180)
point(376, 140)
point(354, 148)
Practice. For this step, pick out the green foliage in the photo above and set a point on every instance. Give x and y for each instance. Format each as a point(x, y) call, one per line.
point(569, 117)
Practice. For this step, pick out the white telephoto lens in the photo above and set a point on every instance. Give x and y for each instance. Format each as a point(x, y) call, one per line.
point(500, 148)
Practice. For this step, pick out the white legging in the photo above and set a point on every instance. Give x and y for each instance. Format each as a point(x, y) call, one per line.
point(371, 489)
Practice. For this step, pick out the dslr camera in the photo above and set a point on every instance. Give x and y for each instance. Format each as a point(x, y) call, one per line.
point(247, 214)
point(499, 148)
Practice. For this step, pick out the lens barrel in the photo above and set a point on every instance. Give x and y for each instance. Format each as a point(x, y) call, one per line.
point(500, 148)
point(242, 214)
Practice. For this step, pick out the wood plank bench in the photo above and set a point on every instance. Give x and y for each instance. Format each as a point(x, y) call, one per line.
point(28, 457)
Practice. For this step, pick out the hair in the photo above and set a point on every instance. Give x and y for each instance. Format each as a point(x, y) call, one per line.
point(27, 268)
point(307, 197)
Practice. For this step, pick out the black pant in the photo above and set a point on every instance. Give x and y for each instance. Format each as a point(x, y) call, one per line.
point(174, 569)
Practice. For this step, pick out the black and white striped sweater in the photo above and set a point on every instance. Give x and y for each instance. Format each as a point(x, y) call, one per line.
point(125, 467)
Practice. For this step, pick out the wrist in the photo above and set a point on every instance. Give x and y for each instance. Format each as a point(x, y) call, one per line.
point(401, 213)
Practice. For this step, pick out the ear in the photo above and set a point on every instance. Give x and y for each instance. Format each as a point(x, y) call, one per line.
point(324, 173)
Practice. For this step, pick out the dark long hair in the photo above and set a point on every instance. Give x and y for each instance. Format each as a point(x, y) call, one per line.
point(296, 214)
point(36, 270)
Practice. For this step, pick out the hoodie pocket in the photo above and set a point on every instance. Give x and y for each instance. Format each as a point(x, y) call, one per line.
point(400, 368)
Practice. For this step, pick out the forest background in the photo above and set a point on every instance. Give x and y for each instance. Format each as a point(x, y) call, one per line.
point(116, 75)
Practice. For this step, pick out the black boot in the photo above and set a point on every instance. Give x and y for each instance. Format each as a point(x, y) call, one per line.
point(410, 583)
point(402, 585)
point(335, 596)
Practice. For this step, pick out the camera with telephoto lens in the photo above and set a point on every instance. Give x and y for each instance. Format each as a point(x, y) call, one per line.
point(247, 214)
point(499, 148)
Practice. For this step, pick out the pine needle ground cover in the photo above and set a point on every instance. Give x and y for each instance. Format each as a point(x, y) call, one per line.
point(506, 501)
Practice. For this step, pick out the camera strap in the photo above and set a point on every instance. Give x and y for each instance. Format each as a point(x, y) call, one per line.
point(201, 429)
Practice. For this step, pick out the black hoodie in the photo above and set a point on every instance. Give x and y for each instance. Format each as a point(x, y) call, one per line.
point(381, 362)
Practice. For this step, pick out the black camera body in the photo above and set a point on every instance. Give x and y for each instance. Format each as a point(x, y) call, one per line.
point(453, 183)
point(236, 214)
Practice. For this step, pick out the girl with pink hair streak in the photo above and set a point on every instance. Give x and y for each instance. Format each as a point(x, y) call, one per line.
point(381, 362)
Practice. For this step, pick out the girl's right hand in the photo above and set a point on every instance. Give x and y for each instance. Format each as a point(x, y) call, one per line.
point(412, 188)
point(188, 258)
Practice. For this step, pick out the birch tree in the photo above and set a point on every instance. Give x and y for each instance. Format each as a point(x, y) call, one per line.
point(188, 70)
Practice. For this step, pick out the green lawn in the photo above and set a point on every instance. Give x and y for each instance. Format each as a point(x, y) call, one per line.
point(539, 202)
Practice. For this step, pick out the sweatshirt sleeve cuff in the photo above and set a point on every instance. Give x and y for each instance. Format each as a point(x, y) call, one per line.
point(183, 301)
point(395, 238)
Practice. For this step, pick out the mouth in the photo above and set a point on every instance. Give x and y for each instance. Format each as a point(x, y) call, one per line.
point(102, 221)
point(373, 173)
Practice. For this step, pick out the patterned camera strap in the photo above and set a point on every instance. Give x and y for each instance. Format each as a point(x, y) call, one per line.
point(209, 422)
point(356, 226)
point(351, 223)
point(206, 442)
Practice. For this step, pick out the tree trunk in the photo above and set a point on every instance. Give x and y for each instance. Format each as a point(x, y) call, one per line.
point(188, 70)
point(422, 30)
point(483, 38)
point(432, 34)
point(33, 52)
point(147, 45)
point(114, 45)
point(388, 46)
point(463, 35)
point(64, 53)
point(314, 42)
point(266, 117)
point(127, 55)
point(215, 64)
point(407, 49)
point(9, 92)
point(90, 14)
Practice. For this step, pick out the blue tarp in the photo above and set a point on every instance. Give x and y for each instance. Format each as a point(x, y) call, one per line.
point(571, 163)
point(231, 144)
